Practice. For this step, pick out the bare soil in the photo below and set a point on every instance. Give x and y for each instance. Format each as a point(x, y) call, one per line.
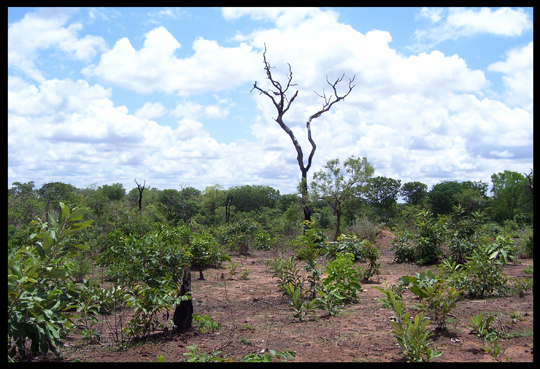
point(255, 317)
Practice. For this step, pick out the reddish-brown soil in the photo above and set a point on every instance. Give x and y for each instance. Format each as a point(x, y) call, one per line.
point(255, 317)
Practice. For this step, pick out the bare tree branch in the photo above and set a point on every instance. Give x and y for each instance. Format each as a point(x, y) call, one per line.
point(282, 105)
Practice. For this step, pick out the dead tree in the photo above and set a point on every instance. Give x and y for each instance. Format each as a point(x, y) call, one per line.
point(530, 178)
point(183, 313)
point(141, 189)
point(278, 96)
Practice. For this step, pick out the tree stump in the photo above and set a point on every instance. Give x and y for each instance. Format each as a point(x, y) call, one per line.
point(183, 313)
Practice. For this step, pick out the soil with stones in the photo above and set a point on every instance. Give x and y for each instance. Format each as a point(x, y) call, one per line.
point(255, 318)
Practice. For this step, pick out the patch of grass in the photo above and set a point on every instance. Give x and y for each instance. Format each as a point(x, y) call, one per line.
point(519, 334)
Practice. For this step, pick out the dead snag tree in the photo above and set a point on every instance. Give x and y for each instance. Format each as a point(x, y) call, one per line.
point(141, 189)
point(278, 96)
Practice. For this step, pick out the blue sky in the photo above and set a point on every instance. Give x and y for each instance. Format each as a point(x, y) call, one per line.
point(103, 95)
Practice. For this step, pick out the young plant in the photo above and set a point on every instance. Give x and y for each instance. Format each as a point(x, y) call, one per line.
point(481, 327)
point(494, 349)
point(300, 307)
point(438, 302)
point(148, 301)
point(194, 356)
point(205, 323)
point(411, 334)
point(344, 276)
point(413, 337)
point(329, 299)
point(268, 356)
point(232, 268)
point(287, 272)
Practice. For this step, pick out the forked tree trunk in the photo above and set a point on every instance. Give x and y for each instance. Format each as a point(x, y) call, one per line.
point(282, 105)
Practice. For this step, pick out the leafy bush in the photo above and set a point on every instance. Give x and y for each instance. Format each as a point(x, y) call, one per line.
point(463, 231)
point(299, 305)
point(136, 259)
point(148, 301)
point(503, 250)
point(412, 335)
point(206, 251)
point(429, 239)
point(364, 228)
point(263, 240)
point(424, 247)
point(403, 247)
point(480, 276)
point(287, 272)
point(481, 327)
point(239, 234)
point(344, 276)
point(37, 277)
point(362, 250)
point(439, 300)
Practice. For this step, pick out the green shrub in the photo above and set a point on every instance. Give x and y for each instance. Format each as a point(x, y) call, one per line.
point(143, 259)
point(205, 323)
point(239, 234)
point(263, 241)
point(206, 251)
point(480, 276)
point(439, 300)
point(364, 228)
point(341, 273)
point(413, 337)
point(403, 247)
point(38, 277)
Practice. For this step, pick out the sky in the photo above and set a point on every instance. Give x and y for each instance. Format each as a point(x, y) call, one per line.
point(164, 95)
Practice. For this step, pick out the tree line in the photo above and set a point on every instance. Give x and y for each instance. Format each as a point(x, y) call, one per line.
point(339, 194)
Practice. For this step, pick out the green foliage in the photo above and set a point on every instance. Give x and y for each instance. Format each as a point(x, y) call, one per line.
point(329, 298)
point(382, 194)
point(439, 300)
point(420, 282)
point(463, 230)
point(413, 337)
point(158, 253)
point(414, 193)
point(263, 240)
point(336, 184)
point(403, 247)
point(308, 245)
point(194, 356)
point(287, 272)
point(480, 276)
point(502, 250)
point(268, 356)
point(344, 276)
point(299, 305)
point(481, 327)
point(424, 246)
point(510, 193)
point(239, 234)
point(37, 274)
point(441, 196)
point(362, 250)
point(206, 251)
point(429, 239)
point(149, 301)
point(205, 323)
point(114, 192)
